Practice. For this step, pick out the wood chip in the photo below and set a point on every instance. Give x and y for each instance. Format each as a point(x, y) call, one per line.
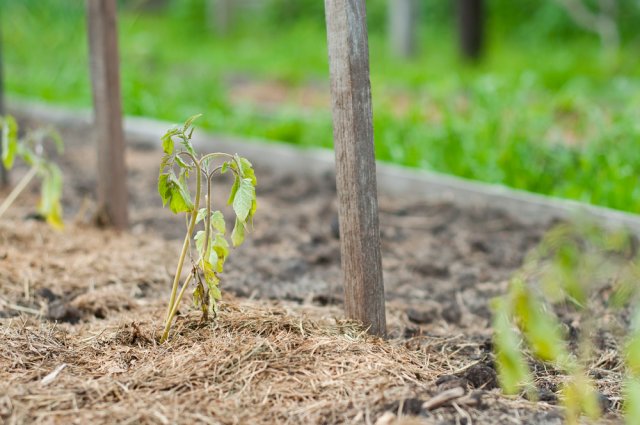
point(443, 398)
point(53, 375)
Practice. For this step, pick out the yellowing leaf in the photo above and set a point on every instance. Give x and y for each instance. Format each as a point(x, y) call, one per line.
point(513, 371)
point(9, 141)
point(631, 391)
point(237, 236)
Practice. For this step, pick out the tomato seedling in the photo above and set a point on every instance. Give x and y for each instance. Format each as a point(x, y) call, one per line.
point(30, 149)
point(179, 163)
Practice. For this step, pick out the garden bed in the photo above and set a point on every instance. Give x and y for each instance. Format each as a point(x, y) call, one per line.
point(87, 303)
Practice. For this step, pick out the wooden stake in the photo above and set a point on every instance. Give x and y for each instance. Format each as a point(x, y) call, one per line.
point(355, 163)
point(403, 19)
point(471, 27)
point(105, 78)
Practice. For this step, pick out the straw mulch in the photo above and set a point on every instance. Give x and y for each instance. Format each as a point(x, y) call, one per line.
point(78, 344)
point(256, 364)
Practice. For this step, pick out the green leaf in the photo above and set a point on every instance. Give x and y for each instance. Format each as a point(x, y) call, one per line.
point(214, 292)
point(220, 247)
point(51, 192)
point(167, 141)
point(243, 200)
point(174, 192)
point(199, 239)
point(246, 170)
point(579, 396)
point(217, 222)
point(631, 391)
point(632, 349)
point(237, 236)
point(513, 371)
point(9, 141)
point(541, 329)
point(181, 162)
point(234, 190)
point(189, 122)
point(202, 212)
point(225, 167)
point(57, 141)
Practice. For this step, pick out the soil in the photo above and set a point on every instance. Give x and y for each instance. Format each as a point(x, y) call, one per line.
point(90, 301)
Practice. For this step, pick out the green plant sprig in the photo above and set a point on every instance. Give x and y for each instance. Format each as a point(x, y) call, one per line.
point(571, 267)
point(30, 150)
point(178, 164)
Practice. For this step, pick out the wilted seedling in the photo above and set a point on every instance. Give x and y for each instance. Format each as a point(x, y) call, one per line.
point(572, 266)
point(30, 149)
point(179, 163)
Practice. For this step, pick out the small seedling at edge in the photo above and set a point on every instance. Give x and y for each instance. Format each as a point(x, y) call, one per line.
point(30, 150)
point(179, 163)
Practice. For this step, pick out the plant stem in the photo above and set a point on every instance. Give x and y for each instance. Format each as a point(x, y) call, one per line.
point(22, 184)
point(174, 310)
point(186, 244)
point(207, 221)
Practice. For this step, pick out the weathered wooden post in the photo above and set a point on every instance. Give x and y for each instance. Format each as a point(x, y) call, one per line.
point(355, 163)
point(105, 78)
point(471, 27)
point(403, 20)
point(4, 176)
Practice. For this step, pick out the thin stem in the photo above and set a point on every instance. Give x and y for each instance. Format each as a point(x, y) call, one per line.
point(207, 220)
point(217, 154)
point(174, 310)
point(187, 240)
point(22, 184)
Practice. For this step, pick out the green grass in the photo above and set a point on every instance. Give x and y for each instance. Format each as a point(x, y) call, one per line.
point(558, 117)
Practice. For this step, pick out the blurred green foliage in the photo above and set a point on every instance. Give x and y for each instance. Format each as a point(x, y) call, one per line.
point(579, 285)
point(547, 110)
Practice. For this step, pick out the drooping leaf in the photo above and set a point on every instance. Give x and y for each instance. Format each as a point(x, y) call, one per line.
point(163, 188)
point(217, 222)
point(51, 192)
point(210, 275)
point(220, 247)
point(237, 236)
point(181, 163)
point(234, 190)
point(243, 200)
point(175, 193)
point(167, 141)
point(202, 212)
point(215, 293)
point(541, 329)
point(199, 239)
point(9, 141)
point(246, 170)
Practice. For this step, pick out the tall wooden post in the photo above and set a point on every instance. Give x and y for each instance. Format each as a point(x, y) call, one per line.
point(105, 78)
point(403, 19)
point(4, 176)
point(471, 27)
point(355, 163)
